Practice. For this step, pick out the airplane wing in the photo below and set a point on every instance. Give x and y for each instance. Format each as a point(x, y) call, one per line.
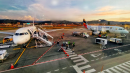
point(7, 33)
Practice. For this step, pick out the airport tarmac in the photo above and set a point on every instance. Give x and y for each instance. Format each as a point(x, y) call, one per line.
point(90, 57)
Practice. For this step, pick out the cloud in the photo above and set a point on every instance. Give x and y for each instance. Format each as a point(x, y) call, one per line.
point(114, 12)
point(106, 8)
point(55, 14)
point(28, 18)
point(73, 10)
point(4, 17)
point(54, 2)
point(120, 19)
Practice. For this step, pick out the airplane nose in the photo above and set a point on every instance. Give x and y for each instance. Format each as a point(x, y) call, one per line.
point(127, 31)
point(16, 40)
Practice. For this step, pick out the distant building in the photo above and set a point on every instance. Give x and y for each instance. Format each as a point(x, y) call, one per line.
point(8, 24)
point(18, 23)
point(46, 25)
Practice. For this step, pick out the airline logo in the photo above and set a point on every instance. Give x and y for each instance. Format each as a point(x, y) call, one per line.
point(84, 23)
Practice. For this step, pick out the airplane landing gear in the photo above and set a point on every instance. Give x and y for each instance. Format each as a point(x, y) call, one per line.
point(24, 46)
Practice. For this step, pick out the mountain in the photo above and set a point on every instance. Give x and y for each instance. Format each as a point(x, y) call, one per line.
point(100, 21)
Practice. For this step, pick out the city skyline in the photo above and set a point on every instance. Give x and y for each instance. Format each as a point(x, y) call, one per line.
point(72, 10)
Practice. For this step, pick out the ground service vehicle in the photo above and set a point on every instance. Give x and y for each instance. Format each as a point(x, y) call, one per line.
point(102, 35)
point(3, 55)
point(82, 34)
point(116, 40)
point(101, 41)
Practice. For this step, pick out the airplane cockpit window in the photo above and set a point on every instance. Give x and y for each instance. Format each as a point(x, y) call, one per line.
point(120, 28)
point(21, 34)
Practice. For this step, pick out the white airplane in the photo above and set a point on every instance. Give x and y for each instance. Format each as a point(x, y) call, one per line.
point(23, 35)
point(112, 29)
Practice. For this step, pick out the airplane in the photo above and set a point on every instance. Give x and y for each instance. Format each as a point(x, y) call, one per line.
point(96, 30)
point(23, 35)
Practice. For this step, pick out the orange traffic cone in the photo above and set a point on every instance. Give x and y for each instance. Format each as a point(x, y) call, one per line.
point(12, 66)
point(67, 55)
point(62, 37)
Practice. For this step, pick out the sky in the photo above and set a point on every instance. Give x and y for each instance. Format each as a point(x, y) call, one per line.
point(72, 10)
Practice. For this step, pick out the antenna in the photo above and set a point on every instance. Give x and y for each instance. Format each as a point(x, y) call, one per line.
point(33, 21)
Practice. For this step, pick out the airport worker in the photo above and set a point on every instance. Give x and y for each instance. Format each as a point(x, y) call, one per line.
point(61, 45)
point(73, 44)
point(58, 43)
point(72, 50)
point(63, 34)
point(36, 32)
point(45, 37)
point(62, 37)
point(103, 45)
point(66, 45)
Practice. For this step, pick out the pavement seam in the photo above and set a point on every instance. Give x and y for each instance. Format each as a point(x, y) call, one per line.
point(64, 68)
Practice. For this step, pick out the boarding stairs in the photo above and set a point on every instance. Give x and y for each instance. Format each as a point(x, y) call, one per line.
point(47, 42)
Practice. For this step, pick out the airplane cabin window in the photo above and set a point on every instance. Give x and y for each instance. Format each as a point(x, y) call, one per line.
point(16, 33)
point(120, 28)
point(21, 33)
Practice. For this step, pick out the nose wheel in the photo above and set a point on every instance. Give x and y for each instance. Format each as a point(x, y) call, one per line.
point(24, 46)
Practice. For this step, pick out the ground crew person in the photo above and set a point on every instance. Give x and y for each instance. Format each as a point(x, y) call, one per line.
point(72, 50)
point(62, 37)
point(45, 37)
point(73, 44)
point(102, 45)
point(63, 34)
point(58, 43)
point(66, 45)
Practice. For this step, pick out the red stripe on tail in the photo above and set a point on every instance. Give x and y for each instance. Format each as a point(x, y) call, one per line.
point(85, 25)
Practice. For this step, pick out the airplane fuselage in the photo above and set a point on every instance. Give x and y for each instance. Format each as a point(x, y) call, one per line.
point(22, 35)
point(111, 29)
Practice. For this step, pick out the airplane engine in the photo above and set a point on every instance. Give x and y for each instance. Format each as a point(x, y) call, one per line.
point(8, 39)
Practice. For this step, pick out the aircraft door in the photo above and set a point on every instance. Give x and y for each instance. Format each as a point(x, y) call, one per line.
point(31, 33)
point(112, 30)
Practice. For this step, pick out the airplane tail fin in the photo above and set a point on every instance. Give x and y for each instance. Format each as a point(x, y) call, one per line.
point(85, 23)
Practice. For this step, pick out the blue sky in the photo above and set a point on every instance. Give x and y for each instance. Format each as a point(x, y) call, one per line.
point(73, 10)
